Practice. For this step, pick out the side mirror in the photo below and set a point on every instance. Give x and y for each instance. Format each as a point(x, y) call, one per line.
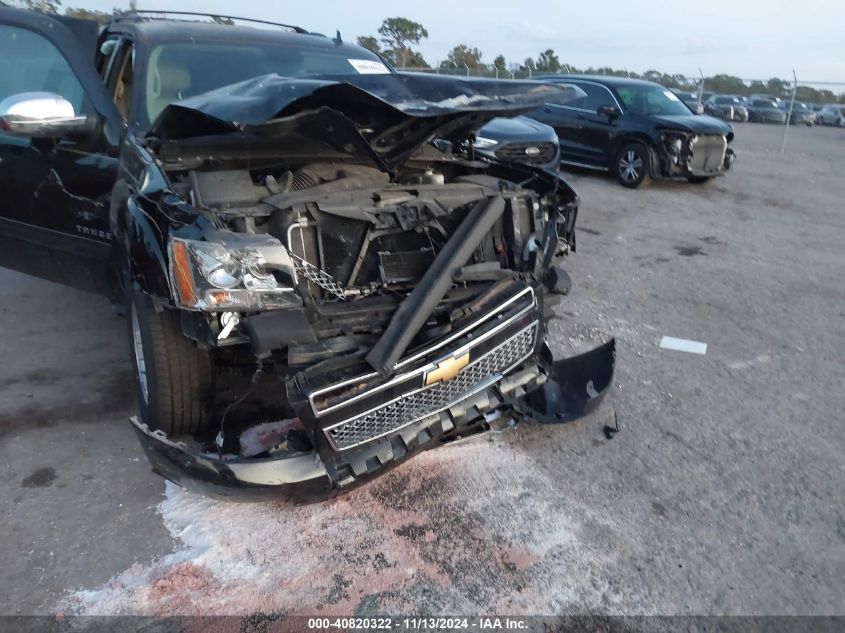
point(43, 115)
point(611, 112)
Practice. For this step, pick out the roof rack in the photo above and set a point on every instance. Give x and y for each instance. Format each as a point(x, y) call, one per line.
point(143, 12)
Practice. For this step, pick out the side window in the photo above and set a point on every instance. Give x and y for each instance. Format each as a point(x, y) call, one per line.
point(597, 96)
point(577, 103)
point(629, 99)
point(108, 50)
point(30, 63)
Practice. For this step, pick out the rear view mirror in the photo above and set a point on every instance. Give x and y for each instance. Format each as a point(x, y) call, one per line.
point(611, 112)
point(43, 115)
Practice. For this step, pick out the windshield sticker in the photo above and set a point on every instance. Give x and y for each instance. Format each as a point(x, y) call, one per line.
point(671, 95)
point(369, 67)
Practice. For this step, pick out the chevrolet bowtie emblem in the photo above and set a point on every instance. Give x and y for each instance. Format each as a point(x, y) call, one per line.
point(447, 369)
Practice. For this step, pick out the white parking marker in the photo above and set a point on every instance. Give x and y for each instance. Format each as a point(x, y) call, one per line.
point(683, 345)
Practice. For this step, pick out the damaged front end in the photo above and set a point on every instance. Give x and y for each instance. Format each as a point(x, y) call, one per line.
point(685, 154)
point(389, 293)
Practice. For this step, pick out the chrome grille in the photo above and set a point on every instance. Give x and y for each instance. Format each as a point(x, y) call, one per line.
point(516, 151)
point(427, 401)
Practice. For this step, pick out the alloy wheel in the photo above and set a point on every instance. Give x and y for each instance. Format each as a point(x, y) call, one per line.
point(630, 166)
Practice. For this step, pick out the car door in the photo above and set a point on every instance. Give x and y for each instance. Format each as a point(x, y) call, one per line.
point(564, 120)
point(55, 186)
point(593, 138)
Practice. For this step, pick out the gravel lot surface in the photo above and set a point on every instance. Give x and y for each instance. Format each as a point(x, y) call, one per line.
point(723, 492)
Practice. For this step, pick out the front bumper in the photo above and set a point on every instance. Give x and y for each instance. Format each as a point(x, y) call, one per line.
point(778, 118)
point(806, 119)
point(540, 389)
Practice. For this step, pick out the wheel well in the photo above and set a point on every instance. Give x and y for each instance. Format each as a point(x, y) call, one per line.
point(642, 140)
point(624, 140)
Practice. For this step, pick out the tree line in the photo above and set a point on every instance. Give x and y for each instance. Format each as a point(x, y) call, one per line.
point(397, 38)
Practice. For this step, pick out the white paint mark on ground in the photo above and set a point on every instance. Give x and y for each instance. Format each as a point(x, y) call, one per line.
point(454, 530)
point(683, 345)
point(761, 359)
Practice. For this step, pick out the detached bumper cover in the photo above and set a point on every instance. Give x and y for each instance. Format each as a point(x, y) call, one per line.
point(541, 390)
point(294, 475)
point(574, 388)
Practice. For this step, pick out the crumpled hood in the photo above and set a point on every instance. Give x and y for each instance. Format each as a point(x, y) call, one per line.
point(387, 117)
point(698, 124)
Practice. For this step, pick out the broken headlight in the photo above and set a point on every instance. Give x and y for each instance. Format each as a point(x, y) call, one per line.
point(234, 272)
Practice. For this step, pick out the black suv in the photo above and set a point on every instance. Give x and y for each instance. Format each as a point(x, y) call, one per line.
point(637, 130)
point(321, 277)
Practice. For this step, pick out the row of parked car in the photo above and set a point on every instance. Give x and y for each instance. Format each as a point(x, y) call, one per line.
point(762, 108)
point(637, 130)
point(640, 130)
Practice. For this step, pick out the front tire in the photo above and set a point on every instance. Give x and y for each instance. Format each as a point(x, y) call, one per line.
point(174, 378)
point(632, 165)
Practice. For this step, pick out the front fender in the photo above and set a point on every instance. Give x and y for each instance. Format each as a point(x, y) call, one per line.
point(145, 249)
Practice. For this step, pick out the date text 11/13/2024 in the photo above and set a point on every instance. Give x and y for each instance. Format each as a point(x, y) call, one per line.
point(418, 623)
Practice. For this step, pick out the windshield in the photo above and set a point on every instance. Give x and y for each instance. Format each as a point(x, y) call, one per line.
point(179, 71)
point(728, 100)
point(648, 100)
point(761, 103)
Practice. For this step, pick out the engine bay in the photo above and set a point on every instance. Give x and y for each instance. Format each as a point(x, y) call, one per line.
point(361, 240)
point(353, 233)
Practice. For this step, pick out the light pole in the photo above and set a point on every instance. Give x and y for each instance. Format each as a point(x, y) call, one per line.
point(791, 105)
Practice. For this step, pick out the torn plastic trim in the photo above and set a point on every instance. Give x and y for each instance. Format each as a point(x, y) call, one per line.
point(576, 385)
point(293, 475)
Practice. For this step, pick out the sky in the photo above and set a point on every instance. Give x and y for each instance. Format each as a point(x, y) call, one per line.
point(751, 39)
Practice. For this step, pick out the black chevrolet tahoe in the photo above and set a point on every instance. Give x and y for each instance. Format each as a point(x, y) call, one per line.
point(320, 275)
